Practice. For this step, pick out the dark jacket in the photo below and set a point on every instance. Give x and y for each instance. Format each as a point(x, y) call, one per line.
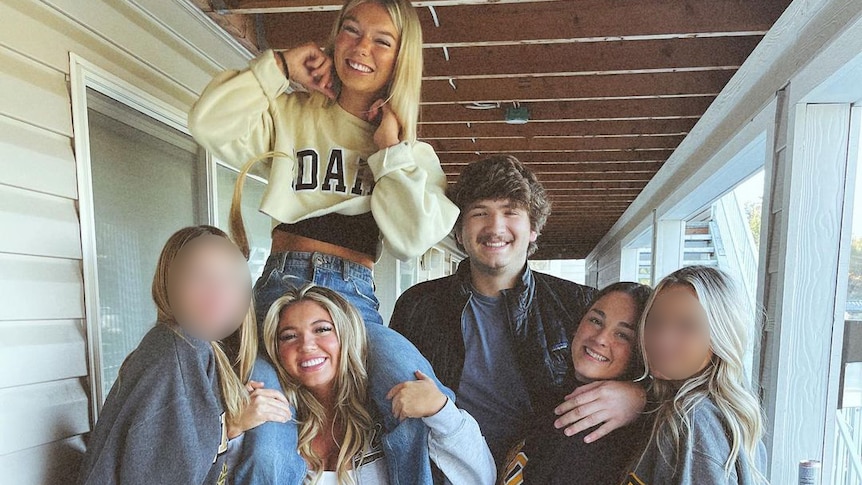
point(543, 313)
point(163, 421)
point(552, 458)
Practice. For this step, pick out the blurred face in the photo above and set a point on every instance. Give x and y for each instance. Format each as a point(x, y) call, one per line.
point(496, 235)
point(308, 346)
point(209, 288)
point(602, 345)
point(676, 334)
point(366, 48)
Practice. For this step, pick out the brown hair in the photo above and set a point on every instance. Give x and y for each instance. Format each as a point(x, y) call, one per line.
point(639, 294)
point(502, 177)
point(232, 376)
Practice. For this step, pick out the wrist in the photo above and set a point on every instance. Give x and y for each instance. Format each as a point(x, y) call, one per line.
point(282, 61)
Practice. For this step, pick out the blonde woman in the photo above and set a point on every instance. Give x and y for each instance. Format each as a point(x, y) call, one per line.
point(179, 402)
point(708, 425)
point(336, 128)
point(318, 342)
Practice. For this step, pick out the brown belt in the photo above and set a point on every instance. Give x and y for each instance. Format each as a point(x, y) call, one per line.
point(283, 241)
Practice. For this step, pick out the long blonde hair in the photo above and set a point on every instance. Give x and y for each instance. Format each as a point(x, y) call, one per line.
point(723, 380)
point(232, 375)
point(405, 87)
point(351, 380)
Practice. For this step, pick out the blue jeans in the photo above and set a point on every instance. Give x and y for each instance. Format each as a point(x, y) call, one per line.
point(269, 454)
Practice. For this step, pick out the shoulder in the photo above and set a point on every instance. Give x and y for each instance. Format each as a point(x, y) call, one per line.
point(165, 353)
point(428, 291)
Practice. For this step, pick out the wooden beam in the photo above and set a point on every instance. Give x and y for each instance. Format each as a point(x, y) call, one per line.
point(545, 144)
point(562, 128)
point(240, 27)
point(575, 110)
point(546, 88)
point(588, 59)
point(528, 22)
point(292, 6)
point(556, 157)
point(554, 169)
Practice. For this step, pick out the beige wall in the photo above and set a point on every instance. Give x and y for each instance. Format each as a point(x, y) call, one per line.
point(159, 46)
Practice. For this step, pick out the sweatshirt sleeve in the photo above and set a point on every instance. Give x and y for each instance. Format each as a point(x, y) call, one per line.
point(236, 114)
point(409, 201)
point(457, 446)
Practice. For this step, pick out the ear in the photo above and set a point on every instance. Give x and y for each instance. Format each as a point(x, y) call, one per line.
point(533, 236)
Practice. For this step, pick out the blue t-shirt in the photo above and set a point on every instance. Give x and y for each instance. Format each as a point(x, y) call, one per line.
point(492, 389)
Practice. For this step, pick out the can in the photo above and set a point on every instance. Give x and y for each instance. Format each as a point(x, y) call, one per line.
point(809, 472)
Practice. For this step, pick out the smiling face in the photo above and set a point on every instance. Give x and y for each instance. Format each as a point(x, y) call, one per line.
point(603, 343)
point(209, 287)
point(366, 48)
point(676, 334)
point(496, 235)
point(308, 346)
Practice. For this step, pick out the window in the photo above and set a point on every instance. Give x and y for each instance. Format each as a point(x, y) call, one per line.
point(636, 259)
point(145, 179)
point(848, 436)
point(141, 177)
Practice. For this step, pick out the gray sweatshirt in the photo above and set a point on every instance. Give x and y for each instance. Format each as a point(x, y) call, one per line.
point(705, 449)
point(163, 421)
point(455, 444)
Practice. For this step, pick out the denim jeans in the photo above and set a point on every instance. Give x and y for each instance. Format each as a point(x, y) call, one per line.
point(269, 454)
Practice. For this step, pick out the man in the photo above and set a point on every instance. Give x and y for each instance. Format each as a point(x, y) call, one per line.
point(496, 332)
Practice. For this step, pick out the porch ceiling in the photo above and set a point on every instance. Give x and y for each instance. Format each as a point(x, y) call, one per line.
point(612, 87)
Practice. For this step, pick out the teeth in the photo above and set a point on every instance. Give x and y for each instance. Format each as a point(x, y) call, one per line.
point(359, 67)
point(498, 244)
point(596, 356)
point(312, 362)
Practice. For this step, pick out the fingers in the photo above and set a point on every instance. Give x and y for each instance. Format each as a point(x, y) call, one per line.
point(394, 391)
point(600, 432)
point(585, 423)
point(420, 376)
point(578, 413)
point(586, 389)
point(374, 113)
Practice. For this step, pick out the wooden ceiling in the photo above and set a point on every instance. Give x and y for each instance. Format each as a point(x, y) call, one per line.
point(612, 86)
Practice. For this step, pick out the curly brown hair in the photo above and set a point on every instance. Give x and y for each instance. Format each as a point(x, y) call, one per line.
point(497, 178)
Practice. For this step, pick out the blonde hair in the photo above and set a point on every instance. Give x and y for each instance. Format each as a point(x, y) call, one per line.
point(232, 375)
point(351, 380)
point(722, 381)
point(405, 87)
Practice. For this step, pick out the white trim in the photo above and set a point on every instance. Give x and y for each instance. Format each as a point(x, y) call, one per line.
point(84, 75)
point(800, 384)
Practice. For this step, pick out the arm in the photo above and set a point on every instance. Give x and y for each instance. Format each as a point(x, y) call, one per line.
point(264, 405)
point(236, 115)
point(611, 404)
point(455, 442)
point(409, 201)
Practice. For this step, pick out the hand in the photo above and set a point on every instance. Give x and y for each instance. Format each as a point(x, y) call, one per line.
point(613, 404)
point(264, 405)
point(416, 399)
point(310, 66)
point(388, 131)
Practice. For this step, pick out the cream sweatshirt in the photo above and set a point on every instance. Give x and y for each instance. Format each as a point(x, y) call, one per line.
point(332, 164)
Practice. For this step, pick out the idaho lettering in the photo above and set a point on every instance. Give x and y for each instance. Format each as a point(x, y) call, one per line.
point(335, 175)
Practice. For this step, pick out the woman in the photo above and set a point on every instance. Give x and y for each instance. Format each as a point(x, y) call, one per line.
point(317, 340)
point(604, 347)
point(346, 177)
point(708, 425)
point(177, 403)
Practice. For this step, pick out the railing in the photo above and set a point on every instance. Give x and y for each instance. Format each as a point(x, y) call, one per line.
point(847, 468)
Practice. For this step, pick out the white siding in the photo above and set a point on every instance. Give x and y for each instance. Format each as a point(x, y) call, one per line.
point(44, 395)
